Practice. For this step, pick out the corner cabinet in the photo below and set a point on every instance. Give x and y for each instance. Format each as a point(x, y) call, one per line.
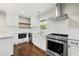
point(24, 22)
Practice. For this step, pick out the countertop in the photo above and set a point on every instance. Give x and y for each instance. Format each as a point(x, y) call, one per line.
point(5, 35)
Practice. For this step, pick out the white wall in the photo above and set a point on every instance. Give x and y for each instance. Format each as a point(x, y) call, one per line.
point(73, 22)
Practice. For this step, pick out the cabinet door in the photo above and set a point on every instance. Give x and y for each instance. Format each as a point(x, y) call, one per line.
point(11, 19)
point(40, 41)
point(73, 49)
point(6, 46)
point(43, 43)
point(36, 40)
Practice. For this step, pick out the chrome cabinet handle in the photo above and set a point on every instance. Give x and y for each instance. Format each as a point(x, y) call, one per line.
point(68, 46)
point(74, 43)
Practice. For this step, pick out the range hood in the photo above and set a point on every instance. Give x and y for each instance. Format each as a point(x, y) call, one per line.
point(59, 12)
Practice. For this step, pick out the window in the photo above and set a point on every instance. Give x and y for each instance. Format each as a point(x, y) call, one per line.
point(43, 24)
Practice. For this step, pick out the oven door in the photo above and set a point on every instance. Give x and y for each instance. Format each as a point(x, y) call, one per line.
point(56, 47)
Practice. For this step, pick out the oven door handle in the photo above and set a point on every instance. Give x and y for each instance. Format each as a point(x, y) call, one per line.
point(61, 42)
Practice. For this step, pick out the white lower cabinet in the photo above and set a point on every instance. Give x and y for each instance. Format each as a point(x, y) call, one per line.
point(6, 46)
point(36, 40)
point(73, 49)
point(43, 43)
point(39, 41)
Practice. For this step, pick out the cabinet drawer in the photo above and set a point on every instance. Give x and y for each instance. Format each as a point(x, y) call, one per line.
point(73, 43)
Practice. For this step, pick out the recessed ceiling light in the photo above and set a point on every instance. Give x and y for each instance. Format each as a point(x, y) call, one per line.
point(22, 12)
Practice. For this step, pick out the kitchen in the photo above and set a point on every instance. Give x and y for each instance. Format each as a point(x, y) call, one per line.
point(56, 25)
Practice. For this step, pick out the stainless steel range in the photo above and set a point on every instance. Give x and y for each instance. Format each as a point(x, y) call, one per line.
point(57, 44)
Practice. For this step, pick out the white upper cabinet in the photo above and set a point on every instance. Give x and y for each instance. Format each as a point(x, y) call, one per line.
point(24, 22)
point(2, 22)
point(11, 19)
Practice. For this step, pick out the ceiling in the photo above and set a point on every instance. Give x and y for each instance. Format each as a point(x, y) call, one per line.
point(26, 9)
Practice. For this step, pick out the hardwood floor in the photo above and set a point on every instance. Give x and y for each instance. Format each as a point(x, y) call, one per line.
point(28, 49)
